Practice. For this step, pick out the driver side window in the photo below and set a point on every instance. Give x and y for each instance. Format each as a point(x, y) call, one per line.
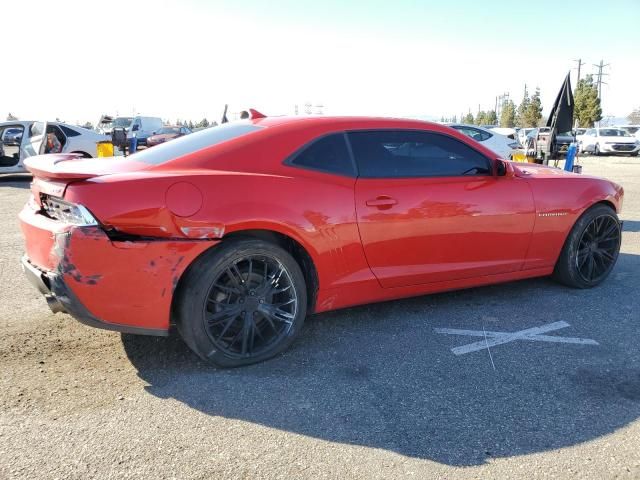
point(414, 153)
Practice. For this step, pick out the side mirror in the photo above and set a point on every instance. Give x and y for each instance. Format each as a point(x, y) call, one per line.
point(501, 168)
point(135, 128)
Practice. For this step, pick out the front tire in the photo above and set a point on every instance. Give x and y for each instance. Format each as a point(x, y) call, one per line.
point(591, 249)
point(242, 302)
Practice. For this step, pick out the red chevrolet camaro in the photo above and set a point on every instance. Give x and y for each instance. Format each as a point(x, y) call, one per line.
point(235, 233)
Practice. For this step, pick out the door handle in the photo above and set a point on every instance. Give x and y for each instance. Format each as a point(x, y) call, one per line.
point(382, 201)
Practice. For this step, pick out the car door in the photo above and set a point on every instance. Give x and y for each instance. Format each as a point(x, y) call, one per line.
point(35, 140)
point(589, 139)
point(430, 209)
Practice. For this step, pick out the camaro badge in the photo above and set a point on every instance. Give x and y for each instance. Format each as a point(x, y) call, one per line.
point(553, 214)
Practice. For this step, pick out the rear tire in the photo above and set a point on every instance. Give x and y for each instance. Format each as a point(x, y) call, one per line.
point(591, 249)
point(242, 302)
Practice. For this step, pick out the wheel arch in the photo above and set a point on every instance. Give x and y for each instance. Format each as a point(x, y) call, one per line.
point(300, 254)
point(607, 203)
point(297, 251)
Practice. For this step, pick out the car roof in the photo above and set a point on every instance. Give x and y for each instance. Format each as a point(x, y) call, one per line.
point(453, 125)
point(341, 121)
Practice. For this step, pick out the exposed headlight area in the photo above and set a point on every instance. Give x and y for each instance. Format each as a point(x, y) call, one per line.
point(67, 212)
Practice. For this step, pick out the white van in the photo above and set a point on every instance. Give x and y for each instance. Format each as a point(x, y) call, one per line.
point(143, 127)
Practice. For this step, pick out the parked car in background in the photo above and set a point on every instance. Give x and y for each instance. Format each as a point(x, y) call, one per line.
point(344, 211)
point(631, 129)
point(143, 127)
point(503, 146)
point(12, 136)
point(537, 139)
point(167, 133)
point(32, 135)
point(522, 135)
point(563, 141)
point(506, 131)
point(579, 131)
point(608, 140)
point(106, 124)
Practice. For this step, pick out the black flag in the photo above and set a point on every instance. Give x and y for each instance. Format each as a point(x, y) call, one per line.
point(561, 116)
point(224, 115)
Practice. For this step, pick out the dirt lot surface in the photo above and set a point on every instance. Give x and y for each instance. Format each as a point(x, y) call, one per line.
point(368, 392)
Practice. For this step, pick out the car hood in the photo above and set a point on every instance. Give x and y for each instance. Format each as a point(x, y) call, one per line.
point(534, 170)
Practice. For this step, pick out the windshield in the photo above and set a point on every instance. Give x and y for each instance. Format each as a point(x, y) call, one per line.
point(122, 122)
point(192, 143)
point(169, 130)
point(613, 132)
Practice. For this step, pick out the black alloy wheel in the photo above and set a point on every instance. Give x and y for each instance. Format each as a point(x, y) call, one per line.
point(591, 248)
point(598, 248)
point(241, 302)
point(250, 307)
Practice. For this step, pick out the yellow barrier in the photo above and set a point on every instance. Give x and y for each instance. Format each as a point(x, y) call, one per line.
point(519, 156)
point(105, 148)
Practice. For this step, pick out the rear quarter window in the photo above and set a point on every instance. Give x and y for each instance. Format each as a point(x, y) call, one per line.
point(328, 154)
point(192, 143)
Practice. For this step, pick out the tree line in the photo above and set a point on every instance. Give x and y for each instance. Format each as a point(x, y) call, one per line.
point(204, 123)
point(528, 114)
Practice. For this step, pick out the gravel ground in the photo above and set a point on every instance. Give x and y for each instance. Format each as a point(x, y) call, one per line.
point(368, 392)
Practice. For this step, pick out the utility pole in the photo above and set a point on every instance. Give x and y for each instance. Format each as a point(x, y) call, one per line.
point(500, 101)
point(600, 66)
point(580, 63)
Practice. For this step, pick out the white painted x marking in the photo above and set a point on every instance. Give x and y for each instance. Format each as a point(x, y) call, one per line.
point(492, 339)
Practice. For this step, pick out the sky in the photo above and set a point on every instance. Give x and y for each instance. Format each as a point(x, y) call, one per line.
point(76, 60)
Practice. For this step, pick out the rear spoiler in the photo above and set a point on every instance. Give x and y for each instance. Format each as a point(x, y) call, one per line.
point(58, 165)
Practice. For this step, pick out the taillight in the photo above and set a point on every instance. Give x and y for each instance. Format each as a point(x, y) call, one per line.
point(67, 212)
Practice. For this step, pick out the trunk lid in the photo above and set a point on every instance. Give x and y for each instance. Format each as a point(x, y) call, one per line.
point(53, 172)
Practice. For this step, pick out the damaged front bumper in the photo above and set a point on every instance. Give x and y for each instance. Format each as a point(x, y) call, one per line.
point(121, 285)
